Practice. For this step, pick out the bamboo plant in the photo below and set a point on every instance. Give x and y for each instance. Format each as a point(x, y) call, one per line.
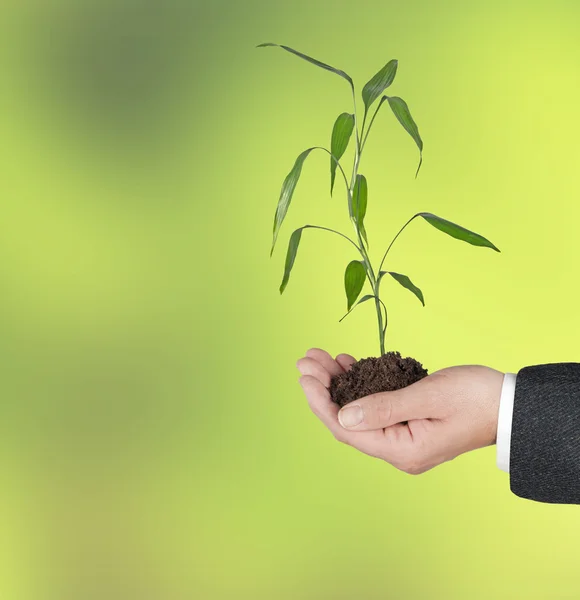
point(361, 270)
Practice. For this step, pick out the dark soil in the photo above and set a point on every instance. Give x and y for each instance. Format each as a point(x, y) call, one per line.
point(387, 373)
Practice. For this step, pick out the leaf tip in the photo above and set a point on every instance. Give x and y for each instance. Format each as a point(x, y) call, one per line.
point(274, 239)
point(420, 163)
point(490, 244)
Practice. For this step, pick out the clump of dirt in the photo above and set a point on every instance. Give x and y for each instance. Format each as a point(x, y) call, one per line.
point(386, 373)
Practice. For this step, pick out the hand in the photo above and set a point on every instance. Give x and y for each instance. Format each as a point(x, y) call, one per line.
point(450, 412)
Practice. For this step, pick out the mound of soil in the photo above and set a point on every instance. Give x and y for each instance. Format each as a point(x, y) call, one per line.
point(386, 373)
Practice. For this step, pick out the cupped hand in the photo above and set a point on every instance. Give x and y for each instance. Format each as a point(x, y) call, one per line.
point(446, 414)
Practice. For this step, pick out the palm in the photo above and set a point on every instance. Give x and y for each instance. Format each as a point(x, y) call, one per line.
point(317, 368)
point(432, 421)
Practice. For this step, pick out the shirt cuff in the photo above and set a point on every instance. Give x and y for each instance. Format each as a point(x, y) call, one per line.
point(504, 423)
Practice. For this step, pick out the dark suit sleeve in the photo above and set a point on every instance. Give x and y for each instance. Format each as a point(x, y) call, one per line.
point(545, 441)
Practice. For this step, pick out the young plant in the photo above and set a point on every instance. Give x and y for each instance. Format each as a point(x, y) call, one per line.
point(361, 270)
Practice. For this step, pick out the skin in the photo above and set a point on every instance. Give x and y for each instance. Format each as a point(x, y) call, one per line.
point(448, 413)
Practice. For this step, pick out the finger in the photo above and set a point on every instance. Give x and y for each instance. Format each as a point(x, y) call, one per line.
point(410, 447)
point(322, 406)
point(377, 411)
point(325, 360)
point(397, 439)
point(345, 361)
point(369, 442)
point(309, 366)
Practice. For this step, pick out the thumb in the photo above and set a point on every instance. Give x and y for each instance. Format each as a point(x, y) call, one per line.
point(384, 409)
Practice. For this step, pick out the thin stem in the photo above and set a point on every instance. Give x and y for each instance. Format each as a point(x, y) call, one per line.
point(363, 251)
point(367, 262)
point(355, 120)
point(337, 233)
point(394, 239)
point(336, 161)
point(382, 327)
point(362, 129)
point(357, 147)
point(371, 124)
point(357, 156)
point(386, 318)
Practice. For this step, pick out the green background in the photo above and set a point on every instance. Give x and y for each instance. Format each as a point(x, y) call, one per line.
point(154, 441)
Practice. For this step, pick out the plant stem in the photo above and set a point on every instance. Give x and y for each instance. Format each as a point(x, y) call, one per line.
point(357, 156)
point(334, 231)
point(382, 328)
point(336, 161)
point(374, 281)
point(370, 125)
point(362, 130)
point(394, 239)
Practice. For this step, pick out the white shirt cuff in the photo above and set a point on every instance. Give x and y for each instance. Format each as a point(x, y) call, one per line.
point(504, 423)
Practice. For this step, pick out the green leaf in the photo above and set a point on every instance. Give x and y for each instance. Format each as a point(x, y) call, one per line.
point(401, 111)
point(406, 283)
point(456, 231)
point(363, 299)
point(379, 83)
point(359, 204)
point(291, 257)
point(341, 133)
point(287, 192)
point(354, 280)
point(312, 61)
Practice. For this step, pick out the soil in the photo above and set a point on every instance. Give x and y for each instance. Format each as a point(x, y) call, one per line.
point(386, 373)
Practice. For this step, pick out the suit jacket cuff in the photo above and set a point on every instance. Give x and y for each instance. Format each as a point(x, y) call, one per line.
point(545, 441)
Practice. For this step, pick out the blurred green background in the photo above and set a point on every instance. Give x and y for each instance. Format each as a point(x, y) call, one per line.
point(154, 442)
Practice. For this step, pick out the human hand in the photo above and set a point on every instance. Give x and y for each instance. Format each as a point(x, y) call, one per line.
point(448, 413)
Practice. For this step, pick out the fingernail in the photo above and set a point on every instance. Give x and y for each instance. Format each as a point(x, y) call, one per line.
point(350, 416)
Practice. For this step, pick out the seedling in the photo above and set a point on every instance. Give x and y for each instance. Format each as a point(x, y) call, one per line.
point(397, 372)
